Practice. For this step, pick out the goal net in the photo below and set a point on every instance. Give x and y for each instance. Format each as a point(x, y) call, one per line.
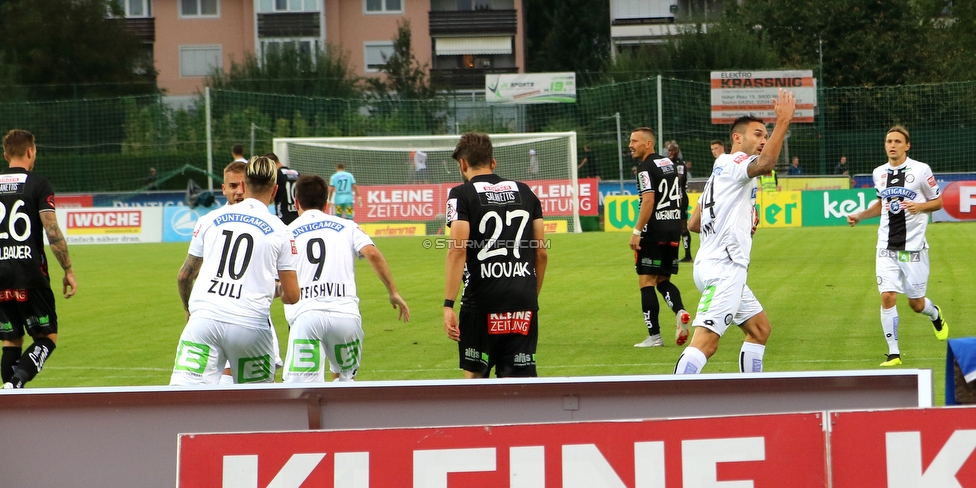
point(404, 181)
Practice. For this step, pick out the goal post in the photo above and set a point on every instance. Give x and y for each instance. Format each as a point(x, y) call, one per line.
point(405, 180)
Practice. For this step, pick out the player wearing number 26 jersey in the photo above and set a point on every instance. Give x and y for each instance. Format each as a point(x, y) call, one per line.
point(236, 252)
point(325, 323)
point(497, 240)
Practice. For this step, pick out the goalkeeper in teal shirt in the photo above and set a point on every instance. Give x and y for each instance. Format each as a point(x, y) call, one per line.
point(342, 187)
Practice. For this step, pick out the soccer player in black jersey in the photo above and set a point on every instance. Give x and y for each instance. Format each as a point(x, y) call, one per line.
point(674, 154)
point(26, 298)
point(284, 197)
point(497, 244)
point(656, 236)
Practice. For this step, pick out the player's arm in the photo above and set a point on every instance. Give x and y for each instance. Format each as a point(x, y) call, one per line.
point(541, 254)
point(378, 262)
point(355, 191)
point(872, 211)
point(184, 280)
point(646, 207)
point(456, 255)
point(290, 290)
point(783, 106)
point(694, 222)
point(927, 206)
point(59, 247)
point(332, 192)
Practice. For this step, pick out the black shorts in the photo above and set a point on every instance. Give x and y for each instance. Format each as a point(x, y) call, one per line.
point(505, 341)
point(657, 259)
point(684, 206)
point(31, 310)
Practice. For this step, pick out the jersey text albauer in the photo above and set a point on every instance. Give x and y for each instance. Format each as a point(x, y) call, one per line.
point(243, 246)
point(658, 178)
point(727, 202)
point(23, 195)
point(911, 181)
point(499, 272)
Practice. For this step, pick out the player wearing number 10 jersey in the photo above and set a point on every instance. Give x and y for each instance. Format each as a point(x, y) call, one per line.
point(724, 219)
point(497, 243)
point(235, 253)
point(325, 323)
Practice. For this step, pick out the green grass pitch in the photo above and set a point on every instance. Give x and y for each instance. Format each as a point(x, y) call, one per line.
point(817, 285)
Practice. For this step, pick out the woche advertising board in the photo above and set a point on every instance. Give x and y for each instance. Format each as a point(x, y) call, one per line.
point(111, 225)
point(756, 451)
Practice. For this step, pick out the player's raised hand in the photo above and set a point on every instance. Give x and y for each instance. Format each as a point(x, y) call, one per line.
point(451, 324)
point(784, 105)
point(399, 303)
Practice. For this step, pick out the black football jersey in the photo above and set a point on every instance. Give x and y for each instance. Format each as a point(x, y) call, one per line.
point(285, 197)
point(499, 272)
point(23, 196)
point(658, 178)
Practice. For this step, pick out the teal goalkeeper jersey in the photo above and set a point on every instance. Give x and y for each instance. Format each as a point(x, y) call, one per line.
point(342, 181)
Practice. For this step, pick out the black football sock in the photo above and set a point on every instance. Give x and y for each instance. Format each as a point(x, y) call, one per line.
point(671, 295)
point(32, 361)
point(651, 309)
point(686, 243)
point(11, 354)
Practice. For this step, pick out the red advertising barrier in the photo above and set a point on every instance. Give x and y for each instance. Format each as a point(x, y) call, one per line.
point(904, 448)
point(959, 199)
point(73, 201)
point(421, 203)
point(760, 451)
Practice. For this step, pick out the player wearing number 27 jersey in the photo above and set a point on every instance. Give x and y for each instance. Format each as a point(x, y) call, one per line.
point(723, 217)
point(235, 253)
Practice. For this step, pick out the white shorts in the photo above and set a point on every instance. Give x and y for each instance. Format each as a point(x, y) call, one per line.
point(206, 345)
point(903, 272)
point(316, 335)
point(274, 345)
point(726, 299)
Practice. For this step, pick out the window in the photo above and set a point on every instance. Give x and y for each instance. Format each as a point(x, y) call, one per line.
point(274, 6)
point(383, 6)
point(199, 8)
point(376, 55)
point(304, 46)
point(135, 8)
point(199, 60)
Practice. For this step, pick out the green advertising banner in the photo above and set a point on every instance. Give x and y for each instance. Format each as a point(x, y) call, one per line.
point(831, 207)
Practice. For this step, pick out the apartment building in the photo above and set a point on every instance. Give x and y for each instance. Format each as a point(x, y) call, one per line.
point(460, 40)
point(634, 23)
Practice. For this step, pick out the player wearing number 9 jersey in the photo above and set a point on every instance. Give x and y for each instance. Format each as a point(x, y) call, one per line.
point(227, 284)
point(325, 322)
point(497, 245)
point(26, 299)
point(724, 218)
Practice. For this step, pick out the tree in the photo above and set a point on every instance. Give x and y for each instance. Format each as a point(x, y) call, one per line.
point(405, 76)
point(568, 35)
point(289, 71)
point(59, 45)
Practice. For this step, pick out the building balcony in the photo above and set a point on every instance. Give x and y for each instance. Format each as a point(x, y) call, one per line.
point(143, 27)
point(465, 78)
point(472, 22)
point(289, 24)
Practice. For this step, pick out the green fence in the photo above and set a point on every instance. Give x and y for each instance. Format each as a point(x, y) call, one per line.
point(110, 144)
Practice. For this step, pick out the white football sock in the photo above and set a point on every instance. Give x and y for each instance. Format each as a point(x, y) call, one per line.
point(751, 357)
point(889, 323)
point(226, 379)
point(930, 311)
point(691, 361)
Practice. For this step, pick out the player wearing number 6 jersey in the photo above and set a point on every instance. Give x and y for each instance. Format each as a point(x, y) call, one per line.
point(26, 299)
point(227, 284)
point(497, 244)
point(657, 235)
point(724, 218)
point(325, 322)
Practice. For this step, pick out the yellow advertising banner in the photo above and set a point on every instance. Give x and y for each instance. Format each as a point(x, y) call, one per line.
point(384, 230)
point(620, 211)
point(780, 209)
point(819, 183)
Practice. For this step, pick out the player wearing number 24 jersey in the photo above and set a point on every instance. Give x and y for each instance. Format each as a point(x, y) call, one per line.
point(497, 244)
point(234, 256)
point(724, 219)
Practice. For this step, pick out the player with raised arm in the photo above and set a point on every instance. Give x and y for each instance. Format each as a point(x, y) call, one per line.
point(908, 192)
point(656, 236)
point(26, 299)
point(326, 323)
point(342, 187)
point(227, 283)
point(724, 219)
point(497, 245)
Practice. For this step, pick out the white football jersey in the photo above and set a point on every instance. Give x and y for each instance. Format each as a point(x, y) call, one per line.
point(327, 247)
point(911, 181)
point(727, 202)
point(243, 246)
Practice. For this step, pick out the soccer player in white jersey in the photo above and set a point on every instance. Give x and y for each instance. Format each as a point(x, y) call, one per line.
point(907, 192)
point(724, 217)
point(227, 283)
point(325, 322)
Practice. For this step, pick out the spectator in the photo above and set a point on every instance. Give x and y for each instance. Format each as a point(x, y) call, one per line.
point(841, 168)
point(794, 169)
point(587, 166)
point(151, 180)
point(237, 152)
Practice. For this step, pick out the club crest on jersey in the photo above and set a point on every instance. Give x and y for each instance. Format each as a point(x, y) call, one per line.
point(909, 178)
point(894, 206)
point(644, 181)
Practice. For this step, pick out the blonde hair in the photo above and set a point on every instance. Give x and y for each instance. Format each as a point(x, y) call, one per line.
point(261, 175)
